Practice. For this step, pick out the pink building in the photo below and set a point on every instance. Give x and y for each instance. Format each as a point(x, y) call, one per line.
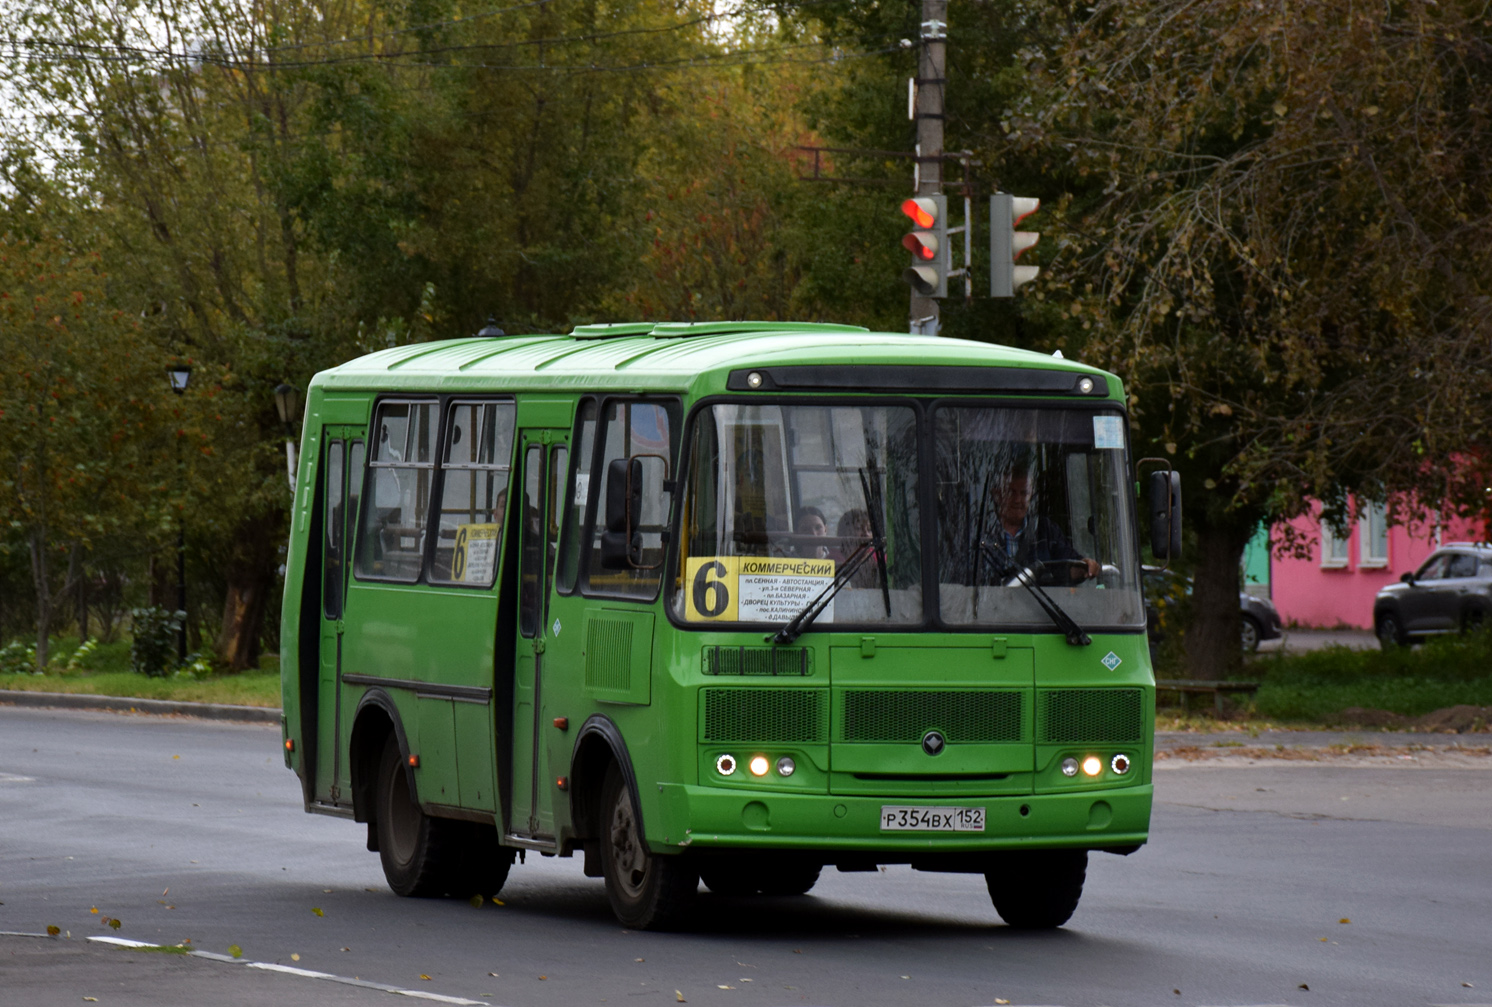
point(1335, 584)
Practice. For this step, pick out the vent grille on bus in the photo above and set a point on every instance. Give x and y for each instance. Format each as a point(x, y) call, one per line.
point(608, 654)
point(758, 661)
point(1067, 716)
point(765, 715)
point(964, 716)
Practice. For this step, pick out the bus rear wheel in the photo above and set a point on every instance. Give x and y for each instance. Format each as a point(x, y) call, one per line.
point(646, 891)
point(1037, 889)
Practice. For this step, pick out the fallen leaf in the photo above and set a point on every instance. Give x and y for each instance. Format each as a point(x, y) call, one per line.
point(92, 1000)
point(722, 986)
point(424, 977)
point(637, 959)
point(1468, 985)
point(166, 892)
point(1177, 992)
point(999, 1001)
point(318, 912)
point(498, 902)
point(493, 974)
point(543, 977)
point(326, 891)
point(1323, 939)
point(235, 950)
point(115, 924)
point(1344, 920)
point(94, 910)
point(347, 949)
point(294, 957)
point(175, 756)
point(476, 901)
point(679, 997)
point(1303, 986)
point(53, 931)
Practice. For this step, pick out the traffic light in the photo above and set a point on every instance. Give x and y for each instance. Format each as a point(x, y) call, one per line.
point(932, 257)
point(1006, 243)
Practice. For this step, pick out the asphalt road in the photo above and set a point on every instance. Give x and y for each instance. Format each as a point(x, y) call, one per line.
point(184, 829)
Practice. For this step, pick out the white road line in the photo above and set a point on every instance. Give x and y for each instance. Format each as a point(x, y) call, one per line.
point(304, 973)
point(13, 778)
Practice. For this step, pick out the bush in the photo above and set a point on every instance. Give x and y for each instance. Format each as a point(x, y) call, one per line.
point(17, 659)
point(153, 652)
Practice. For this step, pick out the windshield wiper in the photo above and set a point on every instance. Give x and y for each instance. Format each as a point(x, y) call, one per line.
point(1027, 579)
point(799, 623)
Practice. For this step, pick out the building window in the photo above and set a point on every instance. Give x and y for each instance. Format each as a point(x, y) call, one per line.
point(1372, 536)
point(1333, 547)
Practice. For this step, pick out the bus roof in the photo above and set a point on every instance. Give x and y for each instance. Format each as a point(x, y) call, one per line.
point(667, 357)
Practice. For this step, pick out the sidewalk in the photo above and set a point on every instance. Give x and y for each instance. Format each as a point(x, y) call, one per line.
point(125, 704)
point(1297, 639)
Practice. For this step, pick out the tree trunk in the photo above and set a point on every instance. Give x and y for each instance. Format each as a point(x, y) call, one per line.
point(40, 582)
point(1213, 651)
point(250, 575)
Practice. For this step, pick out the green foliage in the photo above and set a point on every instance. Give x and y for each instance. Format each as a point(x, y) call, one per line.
point(1316, 685)
point(17, 659)
point(156, 632)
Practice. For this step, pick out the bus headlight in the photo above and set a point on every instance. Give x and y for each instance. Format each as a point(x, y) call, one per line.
point(1092, 765)
point(758, 765)
point(1069, 766)
point(786, 766)
point(725, 765)
point(1120, 764)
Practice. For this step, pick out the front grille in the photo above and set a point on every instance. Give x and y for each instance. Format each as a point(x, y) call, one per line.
point(1071, 716)
point(964, 716)
point(769, 716)
point(758, 661)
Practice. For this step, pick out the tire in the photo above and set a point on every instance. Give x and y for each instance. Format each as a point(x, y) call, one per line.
point(412, 846)
point(646, 891)
point(729, 877)
point(790, 879)
point(1037, 889)
point(1250, 634)
point(1390, 633)
point(481, 864)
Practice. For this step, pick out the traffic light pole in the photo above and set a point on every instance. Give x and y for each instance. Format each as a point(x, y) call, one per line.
point(932, 65)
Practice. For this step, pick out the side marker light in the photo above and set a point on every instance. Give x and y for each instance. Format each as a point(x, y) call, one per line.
point(289, 744)
point(725, 765)
point(414, 762)
point(1120, 764)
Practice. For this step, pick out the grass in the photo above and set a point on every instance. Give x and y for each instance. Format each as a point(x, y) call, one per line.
point(1412, 681)
point(104, 670)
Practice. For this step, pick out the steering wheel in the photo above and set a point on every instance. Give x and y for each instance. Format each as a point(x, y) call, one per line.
point(1059, 571)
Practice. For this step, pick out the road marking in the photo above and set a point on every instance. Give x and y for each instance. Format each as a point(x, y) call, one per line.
point(12, 778)
point(305, 973)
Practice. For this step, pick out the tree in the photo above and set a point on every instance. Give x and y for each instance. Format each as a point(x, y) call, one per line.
point(76, 406)
point(1281, 238)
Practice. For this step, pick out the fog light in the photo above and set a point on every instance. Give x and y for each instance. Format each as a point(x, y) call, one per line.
point(1092, 765)
point(786, 766)
point(758, 765)
point(1120, 764)
point(1069, 766)
point(753, 380)
point(725, 765)
point(1085, 386)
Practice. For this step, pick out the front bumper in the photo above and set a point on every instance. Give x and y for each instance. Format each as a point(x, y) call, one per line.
point(760, 820)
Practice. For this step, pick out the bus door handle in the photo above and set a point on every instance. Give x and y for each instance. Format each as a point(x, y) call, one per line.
point(538, 645)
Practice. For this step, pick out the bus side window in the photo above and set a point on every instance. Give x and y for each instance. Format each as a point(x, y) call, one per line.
point(474, 489)
point(391, 540)
point(632, 429)
point(579, 497)
point(336, 512)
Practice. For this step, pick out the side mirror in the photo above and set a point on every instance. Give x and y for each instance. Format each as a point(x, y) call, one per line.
point(1408, 578)
point(1165, 514)
point(621, 543)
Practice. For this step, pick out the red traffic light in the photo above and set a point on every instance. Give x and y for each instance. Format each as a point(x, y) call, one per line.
point(922, 244)
point(923, 211)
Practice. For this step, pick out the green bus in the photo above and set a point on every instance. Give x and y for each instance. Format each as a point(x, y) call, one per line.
point(724, 602)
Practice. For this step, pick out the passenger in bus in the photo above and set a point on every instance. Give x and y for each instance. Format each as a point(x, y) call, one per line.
point(1029, 540)
point(811, 521)
point(854, 531)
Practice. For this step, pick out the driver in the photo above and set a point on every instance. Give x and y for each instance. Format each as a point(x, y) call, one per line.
point(1030, 540)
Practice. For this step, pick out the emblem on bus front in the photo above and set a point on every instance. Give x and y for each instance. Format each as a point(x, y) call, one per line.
point(1111, 661)
point(932, 742)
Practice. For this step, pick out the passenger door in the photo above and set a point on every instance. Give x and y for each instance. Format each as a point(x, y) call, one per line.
point(543, 464)
point(344, 453)
point(1417, 600)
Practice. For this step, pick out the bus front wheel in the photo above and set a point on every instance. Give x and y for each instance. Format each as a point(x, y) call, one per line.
point(646, 891)
point(1037, 889)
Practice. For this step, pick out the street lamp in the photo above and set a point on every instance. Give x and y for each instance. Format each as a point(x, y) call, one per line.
point(287, 404)
point(180, 375)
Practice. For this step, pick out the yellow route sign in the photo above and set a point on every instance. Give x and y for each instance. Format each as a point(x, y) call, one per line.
point(753, 588)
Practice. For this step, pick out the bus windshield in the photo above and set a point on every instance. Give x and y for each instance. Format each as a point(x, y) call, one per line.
point(1032, 512)
point(1030, 496)
point(782, 496)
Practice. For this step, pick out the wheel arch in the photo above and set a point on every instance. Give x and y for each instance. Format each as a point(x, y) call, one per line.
point(598, 744)
point(375, 719)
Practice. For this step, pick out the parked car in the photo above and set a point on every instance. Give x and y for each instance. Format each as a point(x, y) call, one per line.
point(1451, 592)
point(1260, 619)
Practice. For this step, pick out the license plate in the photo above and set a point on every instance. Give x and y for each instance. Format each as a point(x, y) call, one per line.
point(925, 819)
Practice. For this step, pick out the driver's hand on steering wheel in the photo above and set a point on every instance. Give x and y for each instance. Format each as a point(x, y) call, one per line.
point(1090, 570)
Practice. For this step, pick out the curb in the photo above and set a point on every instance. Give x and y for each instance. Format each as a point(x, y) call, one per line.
point(125, 704)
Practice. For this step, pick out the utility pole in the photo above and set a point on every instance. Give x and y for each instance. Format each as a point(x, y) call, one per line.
point(932, 65)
